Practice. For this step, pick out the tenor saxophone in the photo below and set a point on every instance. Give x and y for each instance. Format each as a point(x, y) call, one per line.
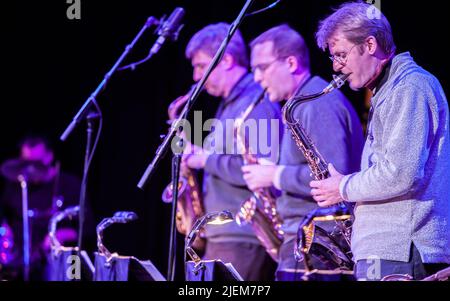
point(259, 210)
point(338, 250)
point(189, 203)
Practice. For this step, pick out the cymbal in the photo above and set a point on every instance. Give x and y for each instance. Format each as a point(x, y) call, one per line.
point(32, 171)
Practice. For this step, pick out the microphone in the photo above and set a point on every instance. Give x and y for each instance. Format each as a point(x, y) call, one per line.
point(169, 29)
point(124, 217)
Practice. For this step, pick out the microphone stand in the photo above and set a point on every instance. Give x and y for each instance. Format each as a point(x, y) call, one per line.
point(176, 161)
point(83, 188)
point(26, 228)
point(175, 131)
point(85, 112)
point(89, 102)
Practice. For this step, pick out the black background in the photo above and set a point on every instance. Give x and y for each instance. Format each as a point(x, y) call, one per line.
point(52, 64)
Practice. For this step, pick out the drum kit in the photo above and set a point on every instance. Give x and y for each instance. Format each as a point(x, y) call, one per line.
point(31, 171)
point(25, 172)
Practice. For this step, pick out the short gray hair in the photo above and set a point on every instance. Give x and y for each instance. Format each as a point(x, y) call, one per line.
point(354, 21)
point(286, 42)
point(210, 38)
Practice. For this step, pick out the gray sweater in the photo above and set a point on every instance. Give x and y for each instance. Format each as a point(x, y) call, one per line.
point(402, 193)
point(224, 186)
point(334, 127)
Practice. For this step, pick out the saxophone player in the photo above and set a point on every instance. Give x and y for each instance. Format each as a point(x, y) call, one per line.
point(402, 197)
point(223, 186)
point(280, 64)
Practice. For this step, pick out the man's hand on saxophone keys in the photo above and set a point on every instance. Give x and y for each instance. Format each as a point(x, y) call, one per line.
point(194, 156)
point(326, 192)
point(258, 176)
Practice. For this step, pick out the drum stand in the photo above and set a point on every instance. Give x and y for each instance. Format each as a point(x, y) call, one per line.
point(26, 228)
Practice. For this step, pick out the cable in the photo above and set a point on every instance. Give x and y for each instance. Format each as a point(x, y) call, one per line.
point(81, 215)
point(263, 9)
point(133, 65)
point(99, 130)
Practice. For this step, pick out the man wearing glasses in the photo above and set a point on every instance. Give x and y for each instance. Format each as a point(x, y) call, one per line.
point(280, 64)
point(402, 193)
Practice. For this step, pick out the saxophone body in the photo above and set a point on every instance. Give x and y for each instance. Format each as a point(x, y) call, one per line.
point(259, 210)
point(331, 250)
point(189, 203)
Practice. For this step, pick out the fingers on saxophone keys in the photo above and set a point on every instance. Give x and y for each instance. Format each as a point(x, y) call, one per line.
point(245, 169)
point(314, 192)
point(315, 184)
point(319, 198)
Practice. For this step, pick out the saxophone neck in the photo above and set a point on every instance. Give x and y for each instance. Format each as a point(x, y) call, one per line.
point(337, 82)
point(238, 123)
point(176, 106)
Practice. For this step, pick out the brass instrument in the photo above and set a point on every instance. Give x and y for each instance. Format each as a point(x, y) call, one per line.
point(442, 275)
point(334, 247)
point(260, 209)
point(189, 203)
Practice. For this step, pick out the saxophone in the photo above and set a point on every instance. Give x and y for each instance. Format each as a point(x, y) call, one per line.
point(442, 275)
point(260, 209)
point(189, 203)
point(337, 252)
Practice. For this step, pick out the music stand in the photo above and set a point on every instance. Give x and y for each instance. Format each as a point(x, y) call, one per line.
point(207, 270)
point(211, 270)
point(62, 265)
point(125, 268)
point(66, 263)
point(113, 267)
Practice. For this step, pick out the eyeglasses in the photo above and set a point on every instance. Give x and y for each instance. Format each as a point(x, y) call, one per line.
point(342, 57)
point(263, 67)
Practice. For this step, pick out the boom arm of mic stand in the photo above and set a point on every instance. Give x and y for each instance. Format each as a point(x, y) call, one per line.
point(159, 154)
point(85, 108)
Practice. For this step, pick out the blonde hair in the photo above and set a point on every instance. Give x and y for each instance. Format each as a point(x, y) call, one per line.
point(353, 19)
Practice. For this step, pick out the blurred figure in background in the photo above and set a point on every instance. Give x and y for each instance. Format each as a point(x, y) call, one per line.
point(49, 191)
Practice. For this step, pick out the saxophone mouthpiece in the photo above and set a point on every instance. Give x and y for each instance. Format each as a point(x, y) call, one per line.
point(337, 82)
